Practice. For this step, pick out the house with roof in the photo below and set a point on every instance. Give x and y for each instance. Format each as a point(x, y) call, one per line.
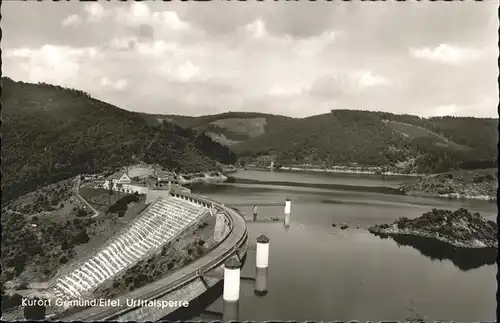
point(116, 180)
point(164, 176)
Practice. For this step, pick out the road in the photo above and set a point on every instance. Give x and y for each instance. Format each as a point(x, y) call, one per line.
point(172, 281)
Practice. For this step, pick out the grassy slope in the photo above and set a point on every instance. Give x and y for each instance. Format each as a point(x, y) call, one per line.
point(228, 128)
point(52, 133)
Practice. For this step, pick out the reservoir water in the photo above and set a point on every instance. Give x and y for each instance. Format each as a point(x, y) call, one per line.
point(319, 272)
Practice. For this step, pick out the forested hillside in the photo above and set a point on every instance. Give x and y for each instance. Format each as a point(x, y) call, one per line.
point(398, 142)
point(228, 128)
point(51, 133)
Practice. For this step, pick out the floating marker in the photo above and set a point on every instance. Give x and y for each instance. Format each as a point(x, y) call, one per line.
point(288, 206)
point(232, 280)
point(288, 211)
point(261, 264)
point(231, 293)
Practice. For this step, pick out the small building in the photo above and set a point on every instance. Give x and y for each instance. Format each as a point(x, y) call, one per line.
point(164, 176)
point(116, 180)
point(134, 188)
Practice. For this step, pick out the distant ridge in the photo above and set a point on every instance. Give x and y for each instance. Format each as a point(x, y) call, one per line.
point(405, 143)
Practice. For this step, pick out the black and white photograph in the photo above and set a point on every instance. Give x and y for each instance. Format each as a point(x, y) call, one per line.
point(226, 160)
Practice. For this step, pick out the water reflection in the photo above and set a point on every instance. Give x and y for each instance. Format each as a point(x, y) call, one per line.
point(464, 258)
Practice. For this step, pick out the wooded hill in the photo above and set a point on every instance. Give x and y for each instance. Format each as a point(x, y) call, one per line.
point(229, 128)
point(51, 133)
point(401, 143)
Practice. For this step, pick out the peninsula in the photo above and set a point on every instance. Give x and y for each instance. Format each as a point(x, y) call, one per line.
point(459, 228)
point(480, 184)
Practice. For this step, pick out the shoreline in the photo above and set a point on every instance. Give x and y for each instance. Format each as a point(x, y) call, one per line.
point(332, 170)
point(207, 179)
point(450, 196)
point(455, 196)
point(348, 171)
point(391, 231)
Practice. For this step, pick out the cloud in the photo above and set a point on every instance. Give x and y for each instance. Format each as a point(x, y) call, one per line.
point(72, 21)
point(95, 11)
point(49, 63)
point(345, 86)
point(138, 13)
point(311, 46)
point(290, 90)
point(269, 57)
point(118, 85)
point(256, 29)
point(447, 54)
point(367, 79)
point(444, 110)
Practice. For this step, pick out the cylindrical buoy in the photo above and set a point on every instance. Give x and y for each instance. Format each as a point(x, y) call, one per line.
point(288, 211)
point(231, 293)
point(288, 206)
point(232, 280)
point(261, 264)
point(262, 252)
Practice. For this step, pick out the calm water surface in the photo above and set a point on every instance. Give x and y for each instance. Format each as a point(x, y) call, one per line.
point(319, 272)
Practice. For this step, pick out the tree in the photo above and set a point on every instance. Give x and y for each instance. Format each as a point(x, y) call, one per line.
point(82, 237)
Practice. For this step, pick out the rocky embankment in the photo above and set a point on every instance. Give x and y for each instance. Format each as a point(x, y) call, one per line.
point(464, 184)
point(210, 177)
point(459, 228)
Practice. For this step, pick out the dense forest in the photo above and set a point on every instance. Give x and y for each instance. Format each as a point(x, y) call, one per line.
point(381, 139)
point(402, 143)
point(51, 133)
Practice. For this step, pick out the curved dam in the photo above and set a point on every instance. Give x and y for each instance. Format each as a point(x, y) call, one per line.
point(161, 222)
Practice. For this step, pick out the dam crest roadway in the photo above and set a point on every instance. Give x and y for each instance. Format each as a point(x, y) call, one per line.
point(162, 221)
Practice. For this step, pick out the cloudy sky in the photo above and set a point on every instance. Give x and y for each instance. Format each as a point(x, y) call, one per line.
point(295, 59)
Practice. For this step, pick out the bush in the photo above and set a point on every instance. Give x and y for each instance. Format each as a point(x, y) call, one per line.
point(65, 245)
point(82, 237)
point(63, 260)
point(19, 268)
point(81, 213)
point(201, 242)
point(23, 286)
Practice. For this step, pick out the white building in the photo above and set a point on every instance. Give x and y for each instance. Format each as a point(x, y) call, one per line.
point(116, 180)
point(134, 188)
point(163, 176)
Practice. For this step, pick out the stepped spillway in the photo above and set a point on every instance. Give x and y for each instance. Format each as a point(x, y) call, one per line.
point(160, 223)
